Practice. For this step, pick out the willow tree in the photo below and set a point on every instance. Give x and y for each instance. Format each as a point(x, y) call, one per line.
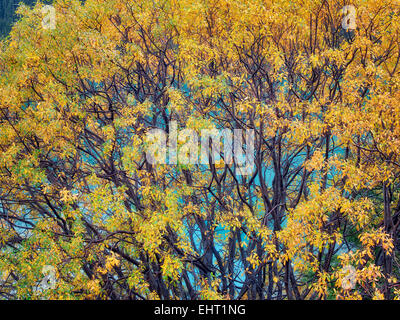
point(82, 205)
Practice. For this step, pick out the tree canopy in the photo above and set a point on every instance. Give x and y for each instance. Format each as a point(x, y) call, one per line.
point(80, 202)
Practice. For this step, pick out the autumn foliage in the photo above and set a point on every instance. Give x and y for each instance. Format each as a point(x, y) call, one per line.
point(78, 196)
